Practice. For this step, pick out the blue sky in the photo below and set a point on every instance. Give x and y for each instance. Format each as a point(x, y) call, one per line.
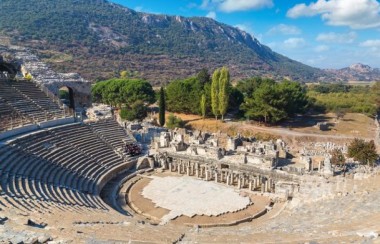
point(320, 33)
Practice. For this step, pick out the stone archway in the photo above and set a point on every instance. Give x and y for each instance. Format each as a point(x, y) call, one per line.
point(66, 95)
point(79, 91)
point(8, 70)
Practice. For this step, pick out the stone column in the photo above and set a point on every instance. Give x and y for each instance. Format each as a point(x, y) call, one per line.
point(239, 183)
point(207, 175)
point(250, 185)
point(216, 177)
point(170, 167)
point(188, 170)
point(179, 169)
point(197, 172)
point(262, 188)
point(319, 166)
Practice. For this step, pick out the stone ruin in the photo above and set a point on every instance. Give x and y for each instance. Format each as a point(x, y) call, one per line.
point(319, 154)
point(197, 143)
point(49, 80)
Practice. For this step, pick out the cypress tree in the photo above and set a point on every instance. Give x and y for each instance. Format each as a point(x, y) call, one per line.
point(215, 93)
point(223, 95)
point(162, 107)
point(203, 106)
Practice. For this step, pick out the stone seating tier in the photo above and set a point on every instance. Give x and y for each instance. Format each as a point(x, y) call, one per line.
point(58, 169)
point(27, 100)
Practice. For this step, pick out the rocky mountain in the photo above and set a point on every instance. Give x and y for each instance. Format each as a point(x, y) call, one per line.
point(356, 72)
point(98, 39)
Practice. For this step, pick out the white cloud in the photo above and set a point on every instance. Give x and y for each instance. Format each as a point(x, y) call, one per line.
point(357, 14)
point(211, 15)
point(229, 6)
point(292, 43)
point(332, 37)
point(205, 4)
point(284, 30)
point(243, 5)
point(371, 43)
point(321, 48)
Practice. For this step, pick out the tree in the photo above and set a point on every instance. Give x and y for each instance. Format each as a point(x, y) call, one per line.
point(137, 111)
point(124, 74)
point(183, 96)
point(362, 151)
point(215, 93)
point(338, 159)
point(174, 122)
point(248, 86)
point(274, 102)
point(119, 92)
point(264, 104)
point(292, 97)
point(203, 76)
point(162, 107)
point(203, 106)
point(224, 89)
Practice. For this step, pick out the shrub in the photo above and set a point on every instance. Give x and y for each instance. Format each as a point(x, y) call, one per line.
point(174, 122)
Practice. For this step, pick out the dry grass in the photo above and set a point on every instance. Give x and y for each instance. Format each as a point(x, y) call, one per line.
point(351, 125)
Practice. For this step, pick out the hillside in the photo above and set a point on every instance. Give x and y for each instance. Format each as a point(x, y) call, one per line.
point(356, 72)
point(98, 39)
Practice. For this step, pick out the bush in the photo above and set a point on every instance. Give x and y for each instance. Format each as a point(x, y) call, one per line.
point(174, 122)
point(137, 111)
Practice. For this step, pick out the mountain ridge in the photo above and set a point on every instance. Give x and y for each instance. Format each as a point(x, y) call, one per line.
point(356, 72)
point(107, 37)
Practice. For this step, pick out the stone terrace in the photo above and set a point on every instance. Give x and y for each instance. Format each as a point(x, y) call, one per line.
point(25, 99)
point(60, 168)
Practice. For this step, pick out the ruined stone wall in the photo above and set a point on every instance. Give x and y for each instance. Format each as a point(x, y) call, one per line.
point(52, 81)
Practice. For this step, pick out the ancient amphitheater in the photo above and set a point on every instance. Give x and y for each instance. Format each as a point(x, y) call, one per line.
point(69, 180)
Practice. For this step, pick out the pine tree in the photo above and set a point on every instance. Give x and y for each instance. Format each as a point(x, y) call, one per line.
point(203, 106)
point(215, 93)
point(162, 107)
point(224, 87)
